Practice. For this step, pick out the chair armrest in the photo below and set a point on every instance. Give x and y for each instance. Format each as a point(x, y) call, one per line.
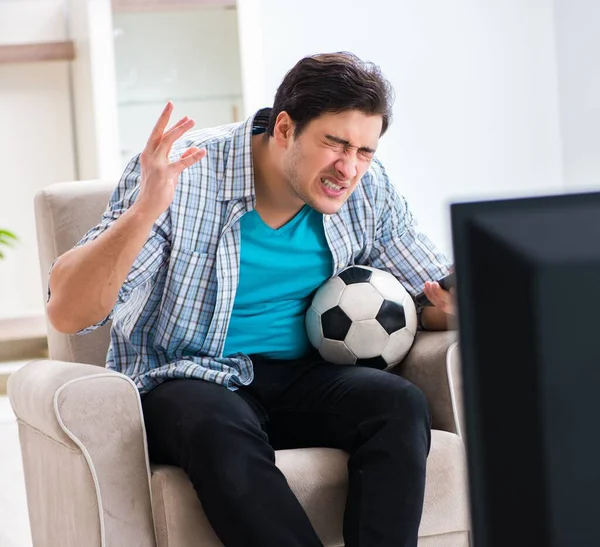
point(433, 365)
point(84, 454)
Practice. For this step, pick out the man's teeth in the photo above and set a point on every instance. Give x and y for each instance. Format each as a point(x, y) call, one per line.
point(330, 184)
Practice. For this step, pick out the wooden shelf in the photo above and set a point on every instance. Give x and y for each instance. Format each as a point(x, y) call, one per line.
point(42, 51)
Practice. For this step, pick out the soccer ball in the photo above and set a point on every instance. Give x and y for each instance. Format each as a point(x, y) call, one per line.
point(362, 316)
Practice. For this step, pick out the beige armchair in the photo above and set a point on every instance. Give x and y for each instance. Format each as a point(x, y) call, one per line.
point(88, 479)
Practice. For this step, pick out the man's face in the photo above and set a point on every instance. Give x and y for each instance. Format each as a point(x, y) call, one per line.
point(326, 162)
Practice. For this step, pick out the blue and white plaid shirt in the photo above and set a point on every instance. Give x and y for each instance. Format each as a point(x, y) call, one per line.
point(173, 310)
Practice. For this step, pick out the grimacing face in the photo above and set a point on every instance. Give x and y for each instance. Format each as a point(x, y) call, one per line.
point(326, 162)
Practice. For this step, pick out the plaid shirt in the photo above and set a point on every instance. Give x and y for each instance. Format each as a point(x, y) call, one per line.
point(173, 310)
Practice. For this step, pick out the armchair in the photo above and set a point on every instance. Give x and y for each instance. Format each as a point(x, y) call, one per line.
point(87, 475)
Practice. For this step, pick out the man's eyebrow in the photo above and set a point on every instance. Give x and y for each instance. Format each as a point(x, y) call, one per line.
point(338, 140)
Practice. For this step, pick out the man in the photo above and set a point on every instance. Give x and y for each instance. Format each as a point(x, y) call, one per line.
point(206, 260)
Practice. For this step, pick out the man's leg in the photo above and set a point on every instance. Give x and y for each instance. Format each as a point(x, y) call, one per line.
point(216, 437)
point(383, 422)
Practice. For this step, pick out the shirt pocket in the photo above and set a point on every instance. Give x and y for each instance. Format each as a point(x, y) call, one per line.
point(187, 304)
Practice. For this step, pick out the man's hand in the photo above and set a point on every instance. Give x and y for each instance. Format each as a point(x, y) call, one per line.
point(441, 299)
point(159, 176)
point(442, 315)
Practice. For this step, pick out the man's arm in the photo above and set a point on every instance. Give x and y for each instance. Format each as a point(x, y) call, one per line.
point(403, 250)
point(85, 282)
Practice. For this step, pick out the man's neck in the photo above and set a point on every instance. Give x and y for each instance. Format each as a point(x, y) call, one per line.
point(275, 202)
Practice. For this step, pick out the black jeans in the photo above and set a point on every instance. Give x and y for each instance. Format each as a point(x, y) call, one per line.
point(225, 440)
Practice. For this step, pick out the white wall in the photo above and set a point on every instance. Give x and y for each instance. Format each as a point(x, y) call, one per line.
point(476, 113)
point(36, 144)
point(578, 52)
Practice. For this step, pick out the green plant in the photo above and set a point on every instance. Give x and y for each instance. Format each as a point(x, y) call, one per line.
point(7, 239)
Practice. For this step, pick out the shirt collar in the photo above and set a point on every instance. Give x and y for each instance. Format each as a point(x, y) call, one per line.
point(238, 179)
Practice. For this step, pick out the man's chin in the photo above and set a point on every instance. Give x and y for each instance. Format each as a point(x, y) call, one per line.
point(328, 207)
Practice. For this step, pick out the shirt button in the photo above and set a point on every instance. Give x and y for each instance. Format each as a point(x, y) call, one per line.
point(326, 218)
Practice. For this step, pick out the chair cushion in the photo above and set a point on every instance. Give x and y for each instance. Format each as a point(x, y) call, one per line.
point(318, 477)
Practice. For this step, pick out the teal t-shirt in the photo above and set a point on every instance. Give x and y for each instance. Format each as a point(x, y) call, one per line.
point(279, 272)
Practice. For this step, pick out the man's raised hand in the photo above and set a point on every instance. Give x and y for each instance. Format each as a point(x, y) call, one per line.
point(159, 175)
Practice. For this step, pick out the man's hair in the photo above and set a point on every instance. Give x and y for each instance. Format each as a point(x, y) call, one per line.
point(332, 83)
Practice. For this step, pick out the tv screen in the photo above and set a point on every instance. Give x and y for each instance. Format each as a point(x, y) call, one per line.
point(528, 294)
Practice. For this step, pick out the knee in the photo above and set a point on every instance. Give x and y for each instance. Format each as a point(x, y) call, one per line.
point(396, 416)
point(405, 401)
point(408, 418)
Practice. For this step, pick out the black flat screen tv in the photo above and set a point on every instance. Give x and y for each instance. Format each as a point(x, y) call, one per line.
point(528, 293)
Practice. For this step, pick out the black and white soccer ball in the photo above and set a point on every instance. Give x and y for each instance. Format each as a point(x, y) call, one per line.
point(362, 316)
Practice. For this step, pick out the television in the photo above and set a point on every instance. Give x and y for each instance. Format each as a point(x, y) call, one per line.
point(528, 297)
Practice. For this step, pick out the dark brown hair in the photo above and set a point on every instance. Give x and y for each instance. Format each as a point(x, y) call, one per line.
point(332, 83)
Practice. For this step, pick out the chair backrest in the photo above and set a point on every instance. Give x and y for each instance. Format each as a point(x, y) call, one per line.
point(64, 212)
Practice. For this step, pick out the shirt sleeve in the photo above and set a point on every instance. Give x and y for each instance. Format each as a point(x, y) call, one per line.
point(155, 251)
point(399, 246)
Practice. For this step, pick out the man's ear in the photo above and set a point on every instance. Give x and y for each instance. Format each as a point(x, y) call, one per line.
point(283, 132)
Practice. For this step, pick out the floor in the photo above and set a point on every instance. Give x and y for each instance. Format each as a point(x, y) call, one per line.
point(14, 521)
